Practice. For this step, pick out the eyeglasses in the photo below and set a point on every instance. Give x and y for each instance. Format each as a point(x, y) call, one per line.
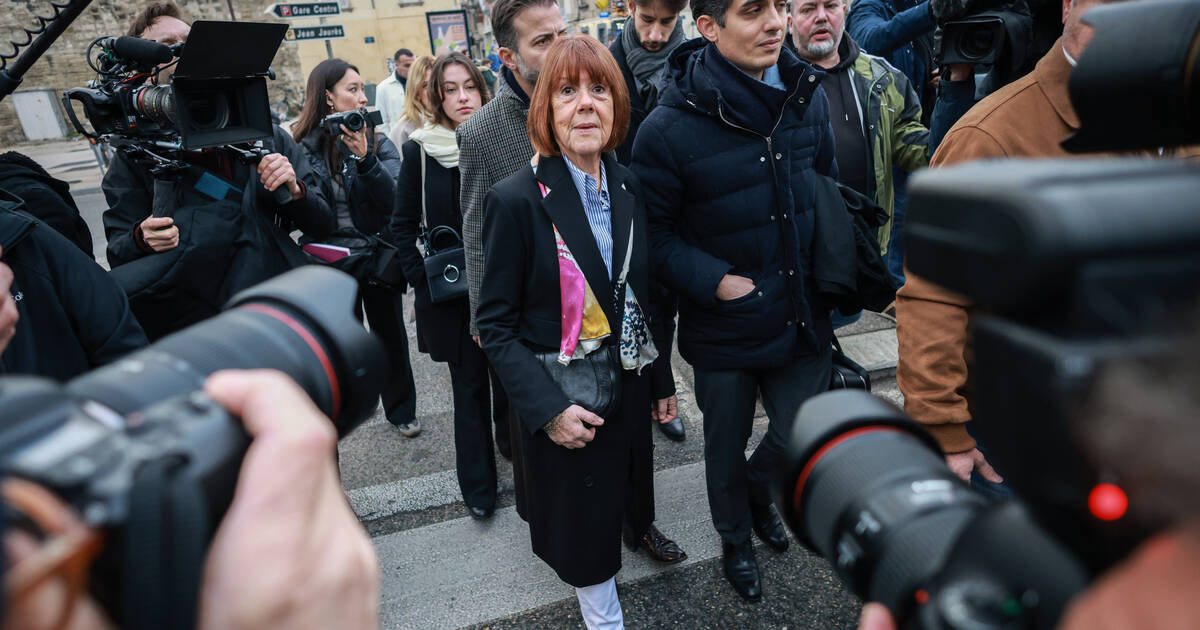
point(44, 586)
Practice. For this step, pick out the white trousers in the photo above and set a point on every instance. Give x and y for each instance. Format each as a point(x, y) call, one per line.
point(600, 607)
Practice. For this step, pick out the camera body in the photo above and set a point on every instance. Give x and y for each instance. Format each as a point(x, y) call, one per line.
point(141, 454)
point(1071, 266)
point(354, 120)
point(91, 457)
point(217, 95)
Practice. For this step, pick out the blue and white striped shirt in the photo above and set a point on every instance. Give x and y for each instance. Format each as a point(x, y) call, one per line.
point(597, 207)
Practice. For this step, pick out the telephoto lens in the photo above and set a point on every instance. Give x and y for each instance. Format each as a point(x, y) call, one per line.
point(864, 486)
point(869, 491)
point(300, 323)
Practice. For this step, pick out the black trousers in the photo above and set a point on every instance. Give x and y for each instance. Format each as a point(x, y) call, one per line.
point(385, 313)
point(474, 459)
point(727, 397)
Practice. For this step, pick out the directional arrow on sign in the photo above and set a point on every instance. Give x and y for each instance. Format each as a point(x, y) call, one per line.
point(304, 9)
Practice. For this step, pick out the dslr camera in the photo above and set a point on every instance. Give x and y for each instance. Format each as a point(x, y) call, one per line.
point(149, 463)
point(354, 120)
point(1073, 266)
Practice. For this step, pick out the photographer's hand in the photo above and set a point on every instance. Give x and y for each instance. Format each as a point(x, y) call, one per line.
point(160, 233)
point(8, 307)
point(963, 463)
point(876, 616)
point(289, 552)
point(356, 141)
point(274, 170)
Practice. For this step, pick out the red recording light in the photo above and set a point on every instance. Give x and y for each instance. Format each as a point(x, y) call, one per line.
point(922, 596)
point(1108, 502)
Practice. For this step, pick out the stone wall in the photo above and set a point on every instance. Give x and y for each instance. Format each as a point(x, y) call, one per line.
point(63, 66)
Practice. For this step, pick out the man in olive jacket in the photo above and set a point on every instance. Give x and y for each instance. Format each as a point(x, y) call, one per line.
point(874, 110)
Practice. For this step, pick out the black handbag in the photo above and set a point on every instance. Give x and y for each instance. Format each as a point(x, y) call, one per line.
point(445, 265)
point(593, 382)
point(847, 374)
point(445, 258)
point(371, 259)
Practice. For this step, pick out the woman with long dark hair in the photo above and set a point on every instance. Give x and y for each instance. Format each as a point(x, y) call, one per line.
point(358, 170)
point(427, 204)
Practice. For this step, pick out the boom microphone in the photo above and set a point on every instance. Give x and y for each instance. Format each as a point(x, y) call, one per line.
point(144, 52)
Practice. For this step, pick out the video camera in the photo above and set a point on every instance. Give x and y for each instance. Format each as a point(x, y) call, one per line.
point(142, 456)
point(217, 95)
point(1073, 266)
point(1001, 38)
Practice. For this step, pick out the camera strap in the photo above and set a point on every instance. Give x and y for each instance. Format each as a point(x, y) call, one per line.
point(211, 186)
point(163, 547)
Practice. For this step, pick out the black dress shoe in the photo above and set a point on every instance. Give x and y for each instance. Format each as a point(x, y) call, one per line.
point(479, 513)
point(741, 569)
point(768, 526)
point(673, 429)
point(656, 544)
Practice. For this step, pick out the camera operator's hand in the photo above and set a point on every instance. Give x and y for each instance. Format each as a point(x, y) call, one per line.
point(573, 427)
point(959, 72)
point(289, 552)
point(274, 170)
point(160, 233)
point(963, 463)
point(876, 616)
point(356, 141)
point(8, 307)
point(945, 10)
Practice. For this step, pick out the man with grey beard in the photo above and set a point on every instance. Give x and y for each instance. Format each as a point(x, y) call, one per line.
point(875, 112)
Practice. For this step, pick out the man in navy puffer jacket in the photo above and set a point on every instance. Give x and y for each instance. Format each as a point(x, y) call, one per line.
point(728, 163)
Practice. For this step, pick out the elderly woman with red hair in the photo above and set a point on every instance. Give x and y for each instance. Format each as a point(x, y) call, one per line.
point(564, 292)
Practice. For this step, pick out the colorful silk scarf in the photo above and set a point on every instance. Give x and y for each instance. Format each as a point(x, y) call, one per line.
point(584, 324)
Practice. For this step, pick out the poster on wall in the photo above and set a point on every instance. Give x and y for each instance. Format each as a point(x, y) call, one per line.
point(448, 32)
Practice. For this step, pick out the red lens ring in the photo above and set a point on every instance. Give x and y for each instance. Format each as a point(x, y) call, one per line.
point(317, 350)
point(798, 492)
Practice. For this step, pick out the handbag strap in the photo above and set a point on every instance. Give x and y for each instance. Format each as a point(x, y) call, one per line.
point(424, 212)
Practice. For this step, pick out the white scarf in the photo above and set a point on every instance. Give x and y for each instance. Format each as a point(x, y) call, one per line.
point(439, 142)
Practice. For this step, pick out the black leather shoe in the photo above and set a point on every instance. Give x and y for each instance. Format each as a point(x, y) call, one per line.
point(656, 544)
point(673, 429)
point(741, 569)
point(479, 513)
point(768, 526)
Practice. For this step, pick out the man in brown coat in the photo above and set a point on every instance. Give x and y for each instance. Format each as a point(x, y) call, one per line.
point(1027, 118)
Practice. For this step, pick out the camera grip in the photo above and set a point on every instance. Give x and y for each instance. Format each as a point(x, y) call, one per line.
point(282, 195)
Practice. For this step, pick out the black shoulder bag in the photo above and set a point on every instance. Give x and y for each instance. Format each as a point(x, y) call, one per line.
point(445, 259)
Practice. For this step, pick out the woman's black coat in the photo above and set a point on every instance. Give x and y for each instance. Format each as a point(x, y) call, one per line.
point(573, 499)
point(370, 187)
point(439, 326)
